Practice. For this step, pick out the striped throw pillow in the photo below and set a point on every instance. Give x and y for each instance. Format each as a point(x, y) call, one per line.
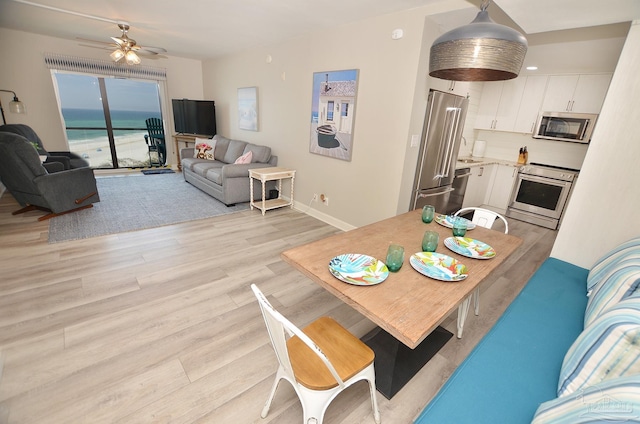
point(622, 281)
point(601, 267)
point(616, 400)
point(608, 348)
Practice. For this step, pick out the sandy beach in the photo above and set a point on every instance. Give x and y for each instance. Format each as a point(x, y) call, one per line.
point(131, 150)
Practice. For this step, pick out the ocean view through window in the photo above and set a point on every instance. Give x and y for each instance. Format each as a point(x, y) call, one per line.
point(104, 118)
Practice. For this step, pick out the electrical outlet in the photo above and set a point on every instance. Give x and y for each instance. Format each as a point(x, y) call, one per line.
point(315, 197)
point(324, 199)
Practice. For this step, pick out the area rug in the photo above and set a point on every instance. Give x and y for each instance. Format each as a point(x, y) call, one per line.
point(136, 202)
point(157, 171)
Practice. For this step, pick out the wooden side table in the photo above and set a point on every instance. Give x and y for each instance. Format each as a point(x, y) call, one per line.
point(186, 139)
point(271, 174)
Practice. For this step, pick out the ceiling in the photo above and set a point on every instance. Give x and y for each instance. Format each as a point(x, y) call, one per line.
point(202, 29)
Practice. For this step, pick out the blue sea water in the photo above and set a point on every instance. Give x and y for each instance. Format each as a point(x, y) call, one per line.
point(94, 118)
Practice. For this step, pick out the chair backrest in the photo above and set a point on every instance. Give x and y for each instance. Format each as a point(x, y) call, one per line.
point(19, 163)
point(155, 129)
point(279, 328)
point(28, 133)
point(484, 217)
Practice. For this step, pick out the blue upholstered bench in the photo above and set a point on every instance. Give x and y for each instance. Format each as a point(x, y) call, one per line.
point(515, 367)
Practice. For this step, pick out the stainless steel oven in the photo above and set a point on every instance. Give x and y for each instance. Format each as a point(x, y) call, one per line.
point(540, 194)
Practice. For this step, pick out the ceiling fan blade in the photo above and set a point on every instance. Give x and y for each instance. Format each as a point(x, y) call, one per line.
point(151, 49)
point(119, 41)
point(87, 40)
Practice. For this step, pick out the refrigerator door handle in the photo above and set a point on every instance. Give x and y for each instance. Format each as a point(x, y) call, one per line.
point(440, 193)
point(452, 131)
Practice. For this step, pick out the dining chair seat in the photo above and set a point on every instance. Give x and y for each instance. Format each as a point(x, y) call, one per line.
point(483, 218)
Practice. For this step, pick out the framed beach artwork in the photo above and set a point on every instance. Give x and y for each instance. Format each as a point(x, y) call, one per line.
point(333, 109)
point(248, 108)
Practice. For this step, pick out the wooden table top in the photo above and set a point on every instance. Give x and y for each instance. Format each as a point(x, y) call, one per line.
point(408, 305)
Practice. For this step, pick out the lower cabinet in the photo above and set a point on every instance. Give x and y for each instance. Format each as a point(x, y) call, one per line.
point(477, 185)
point(501, 187)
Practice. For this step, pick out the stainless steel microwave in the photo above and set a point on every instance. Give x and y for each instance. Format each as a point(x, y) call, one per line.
point(563, 126)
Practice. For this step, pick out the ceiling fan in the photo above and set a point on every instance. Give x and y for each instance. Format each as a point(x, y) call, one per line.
point(126, 48)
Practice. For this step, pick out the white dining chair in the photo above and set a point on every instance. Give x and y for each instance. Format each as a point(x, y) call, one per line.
point(319, 361)
point(483, 218)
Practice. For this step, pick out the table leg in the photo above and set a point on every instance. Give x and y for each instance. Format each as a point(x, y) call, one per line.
point(292, 178)
point(251, 201)
point(264, 207)
point(396, 363)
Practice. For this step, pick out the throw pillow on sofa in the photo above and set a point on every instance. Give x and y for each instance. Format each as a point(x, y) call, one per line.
point(204, 148)
point(622, 281)
point(608, 348)
point(602, 266)
point(615, 400)
point(246, 158)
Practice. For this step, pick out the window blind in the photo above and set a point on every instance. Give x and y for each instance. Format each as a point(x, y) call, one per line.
point(103, 67)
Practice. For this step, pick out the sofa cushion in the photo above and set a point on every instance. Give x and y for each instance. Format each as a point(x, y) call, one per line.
point(622, 281)
point(222, 144)
point(234, 151)
point(204, 148)
point(260, 154)
point(615, 400)
point(607, 349)
point(515, 367)
point(602, 266)
point(214, 175)
point(201, 168)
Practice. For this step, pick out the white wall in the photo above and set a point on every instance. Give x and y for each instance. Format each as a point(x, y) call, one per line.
point(23, 70)
point(367, 188)
point(605, 205)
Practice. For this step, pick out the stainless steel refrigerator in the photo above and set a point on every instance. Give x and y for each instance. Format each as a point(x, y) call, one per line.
point(441, 137)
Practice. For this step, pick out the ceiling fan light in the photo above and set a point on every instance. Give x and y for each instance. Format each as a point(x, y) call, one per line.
point(480, 51)
point(132, 58)
point(117, 55)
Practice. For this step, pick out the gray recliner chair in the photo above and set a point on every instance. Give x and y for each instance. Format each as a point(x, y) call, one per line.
point(36, 187)
point(68, 159)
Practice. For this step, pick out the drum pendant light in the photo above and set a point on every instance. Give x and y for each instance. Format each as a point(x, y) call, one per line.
point(480, 51)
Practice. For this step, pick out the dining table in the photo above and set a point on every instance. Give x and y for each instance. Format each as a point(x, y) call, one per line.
point(406, 306)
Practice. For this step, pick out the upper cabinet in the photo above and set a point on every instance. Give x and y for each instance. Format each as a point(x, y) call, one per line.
point(461, 88)
point(530, 104)
point(514, 105)
point(499, 104)
point(576, 93)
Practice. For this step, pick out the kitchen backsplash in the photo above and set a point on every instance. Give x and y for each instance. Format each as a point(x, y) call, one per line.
point(505, 146)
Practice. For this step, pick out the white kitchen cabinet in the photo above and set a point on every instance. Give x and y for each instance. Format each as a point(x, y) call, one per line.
point(501, 186)
point(477, 185)
point(530, 104)
point(461, 88)
point(576, 93)
point(499, 104)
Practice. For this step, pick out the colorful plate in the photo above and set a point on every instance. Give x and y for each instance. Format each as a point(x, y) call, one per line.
point(469, 247)
point(358, 269)
point(438, 266)
point(447, 221)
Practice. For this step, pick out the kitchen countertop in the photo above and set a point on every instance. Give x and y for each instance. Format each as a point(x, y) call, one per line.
point(476, 162)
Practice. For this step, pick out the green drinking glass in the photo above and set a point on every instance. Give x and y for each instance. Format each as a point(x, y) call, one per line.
point(395, 257)
point(459, 226)
point(430, 241)
point(428, 212)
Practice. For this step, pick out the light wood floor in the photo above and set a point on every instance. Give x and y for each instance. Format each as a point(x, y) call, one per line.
point(161, 326)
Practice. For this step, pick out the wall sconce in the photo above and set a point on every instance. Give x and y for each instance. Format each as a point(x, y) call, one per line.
point(15, 106)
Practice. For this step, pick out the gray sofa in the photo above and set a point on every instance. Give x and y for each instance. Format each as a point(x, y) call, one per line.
point(221, 177)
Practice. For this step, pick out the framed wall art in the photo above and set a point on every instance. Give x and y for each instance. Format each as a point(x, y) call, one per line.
point(248, 108)
point(333, 109)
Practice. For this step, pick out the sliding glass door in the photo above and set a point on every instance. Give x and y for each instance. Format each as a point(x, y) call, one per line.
point(104, 118)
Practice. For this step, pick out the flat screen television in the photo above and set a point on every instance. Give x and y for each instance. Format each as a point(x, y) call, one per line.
point(194, 116)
